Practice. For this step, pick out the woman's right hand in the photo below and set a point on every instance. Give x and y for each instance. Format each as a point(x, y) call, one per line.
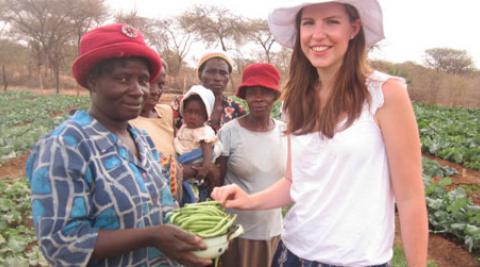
point(178, 245)
point(232, 196)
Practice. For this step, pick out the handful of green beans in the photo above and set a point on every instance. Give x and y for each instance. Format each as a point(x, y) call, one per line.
point(205, 219)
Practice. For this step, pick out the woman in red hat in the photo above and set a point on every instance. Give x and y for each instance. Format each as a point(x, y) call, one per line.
point(355, 153)
point(253, 158)
point(98, 194)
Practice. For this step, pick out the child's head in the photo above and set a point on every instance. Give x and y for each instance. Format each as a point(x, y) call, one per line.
point(194, 112)
point(196, 106)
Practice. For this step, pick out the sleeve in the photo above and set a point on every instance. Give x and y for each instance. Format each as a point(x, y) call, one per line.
point(225, 138)
point(61, 206)
point(205, 134)
point(375, 85)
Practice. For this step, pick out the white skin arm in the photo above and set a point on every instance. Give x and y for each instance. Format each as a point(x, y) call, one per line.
point(400, 133)
point(275, 196)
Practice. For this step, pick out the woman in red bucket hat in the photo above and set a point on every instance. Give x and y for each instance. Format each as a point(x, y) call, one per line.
point(254, 158)
point(354, 150)
point(99, 197)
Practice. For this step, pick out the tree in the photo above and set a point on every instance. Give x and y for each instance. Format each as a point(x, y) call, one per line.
point(257, 31)
point(49, 25)
point(449, 60)
point(214, 25)
point(85, 14)
point(173, 42)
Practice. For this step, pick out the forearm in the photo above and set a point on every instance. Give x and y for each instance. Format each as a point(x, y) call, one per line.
point(115, 243)
point(414, 230)
point(207, 153)
point(275, 196)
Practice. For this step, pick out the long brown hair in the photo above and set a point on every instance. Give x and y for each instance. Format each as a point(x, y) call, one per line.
point(348, 96)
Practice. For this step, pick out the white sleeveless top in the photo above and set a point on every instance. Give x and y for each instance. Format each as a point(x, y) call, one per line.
point(344, 204)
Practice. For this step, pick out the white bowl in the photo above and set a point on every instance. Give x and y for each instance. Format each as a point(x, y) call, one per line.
point(216, 246)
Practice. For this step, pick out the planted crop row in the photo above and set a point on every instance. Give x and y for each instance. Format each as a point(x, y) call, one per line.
point(27, 116)
point(18, 245)
point(450, 212)
point(452, 134)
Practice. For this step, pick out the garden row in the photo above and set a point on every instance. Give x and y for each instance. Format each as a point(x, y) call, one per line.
point(450, 212)
point(452, 134)
point(27, 116)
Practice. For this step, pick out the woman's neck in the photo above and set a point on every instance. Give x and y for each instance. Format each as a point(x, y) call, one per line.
point(116, 127)
point(257, 123)
point(327, 79)
point(149, 113)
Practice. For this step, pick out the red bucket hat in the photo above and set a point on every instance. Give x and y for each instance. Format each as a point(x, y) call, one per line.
point(259, 74)
point(112, 41)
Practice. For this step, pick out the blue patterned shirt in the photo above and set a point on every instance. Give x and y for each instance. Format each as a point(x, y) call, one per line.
point(84, 179)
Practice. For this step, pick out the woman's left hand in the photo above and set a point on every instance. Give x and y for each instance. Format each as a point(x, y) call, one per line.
point(178, 245)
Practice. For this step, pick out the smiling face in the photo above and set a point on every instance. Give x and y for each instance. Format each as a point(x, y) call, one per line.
point(117, 89)
point(260, 100)
point(214, 75)
point(325, 32)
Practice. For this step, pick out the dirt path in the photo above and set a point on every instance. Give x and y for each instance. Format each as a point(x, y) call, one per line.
point(443, 252)
point(14, 168)
point(464, 177)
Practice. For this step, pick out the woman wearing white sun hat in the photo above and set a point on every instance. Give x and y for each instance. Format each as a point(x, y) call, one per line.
point(354, 145)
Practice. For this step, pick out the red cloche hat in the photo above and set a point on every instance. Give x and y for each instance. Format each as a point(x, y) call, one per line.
point(259, 74)
point(112, 41)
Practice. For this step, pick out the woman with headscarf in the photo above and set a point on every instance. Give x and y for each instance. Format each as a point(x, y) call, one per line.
point(98, 194)
point(213, 70)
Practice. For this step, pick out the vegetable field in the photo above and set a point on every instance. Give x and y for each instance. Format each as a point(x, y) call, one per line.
point(449, 134)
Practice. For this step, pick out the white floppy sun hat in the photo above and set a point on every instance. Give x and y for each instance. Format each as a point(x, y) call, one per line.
point(281, 21)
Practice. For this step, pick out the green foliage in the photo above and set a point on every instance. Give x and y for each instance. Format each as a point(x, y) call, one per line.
point(276, 110)
point(434, 169)
point(452, 212)
point(27, 116)
point(452, 134)
point(18, 246)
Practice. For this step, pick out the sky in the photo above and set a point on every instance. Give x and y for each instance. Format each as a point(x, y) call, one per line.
point(410, 26)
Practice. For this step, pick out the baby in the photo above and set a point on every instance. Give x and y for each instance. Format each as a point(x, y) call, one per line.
point(195, 141)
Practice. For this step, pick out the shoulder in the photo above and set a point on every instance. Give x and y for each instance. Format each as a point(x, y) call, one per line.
point(394, 91)
point(229, 126)
point(144, 136)
point(207, 130)
point(381, 86)
point(70, 132)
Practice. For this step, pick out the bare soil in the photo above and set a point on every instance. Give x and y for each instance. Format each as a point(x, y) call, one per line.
point(464, 177)
point(444, 252)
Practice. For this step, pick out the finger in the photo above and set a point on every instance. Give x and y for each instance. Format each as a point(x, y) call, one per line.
point(190, 259)
point(189, 241)
point(232, 204)
point(214, 194)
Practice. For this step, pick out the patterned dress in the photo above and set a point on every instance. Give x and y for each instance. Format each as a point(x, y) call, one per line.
point(83, 179)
